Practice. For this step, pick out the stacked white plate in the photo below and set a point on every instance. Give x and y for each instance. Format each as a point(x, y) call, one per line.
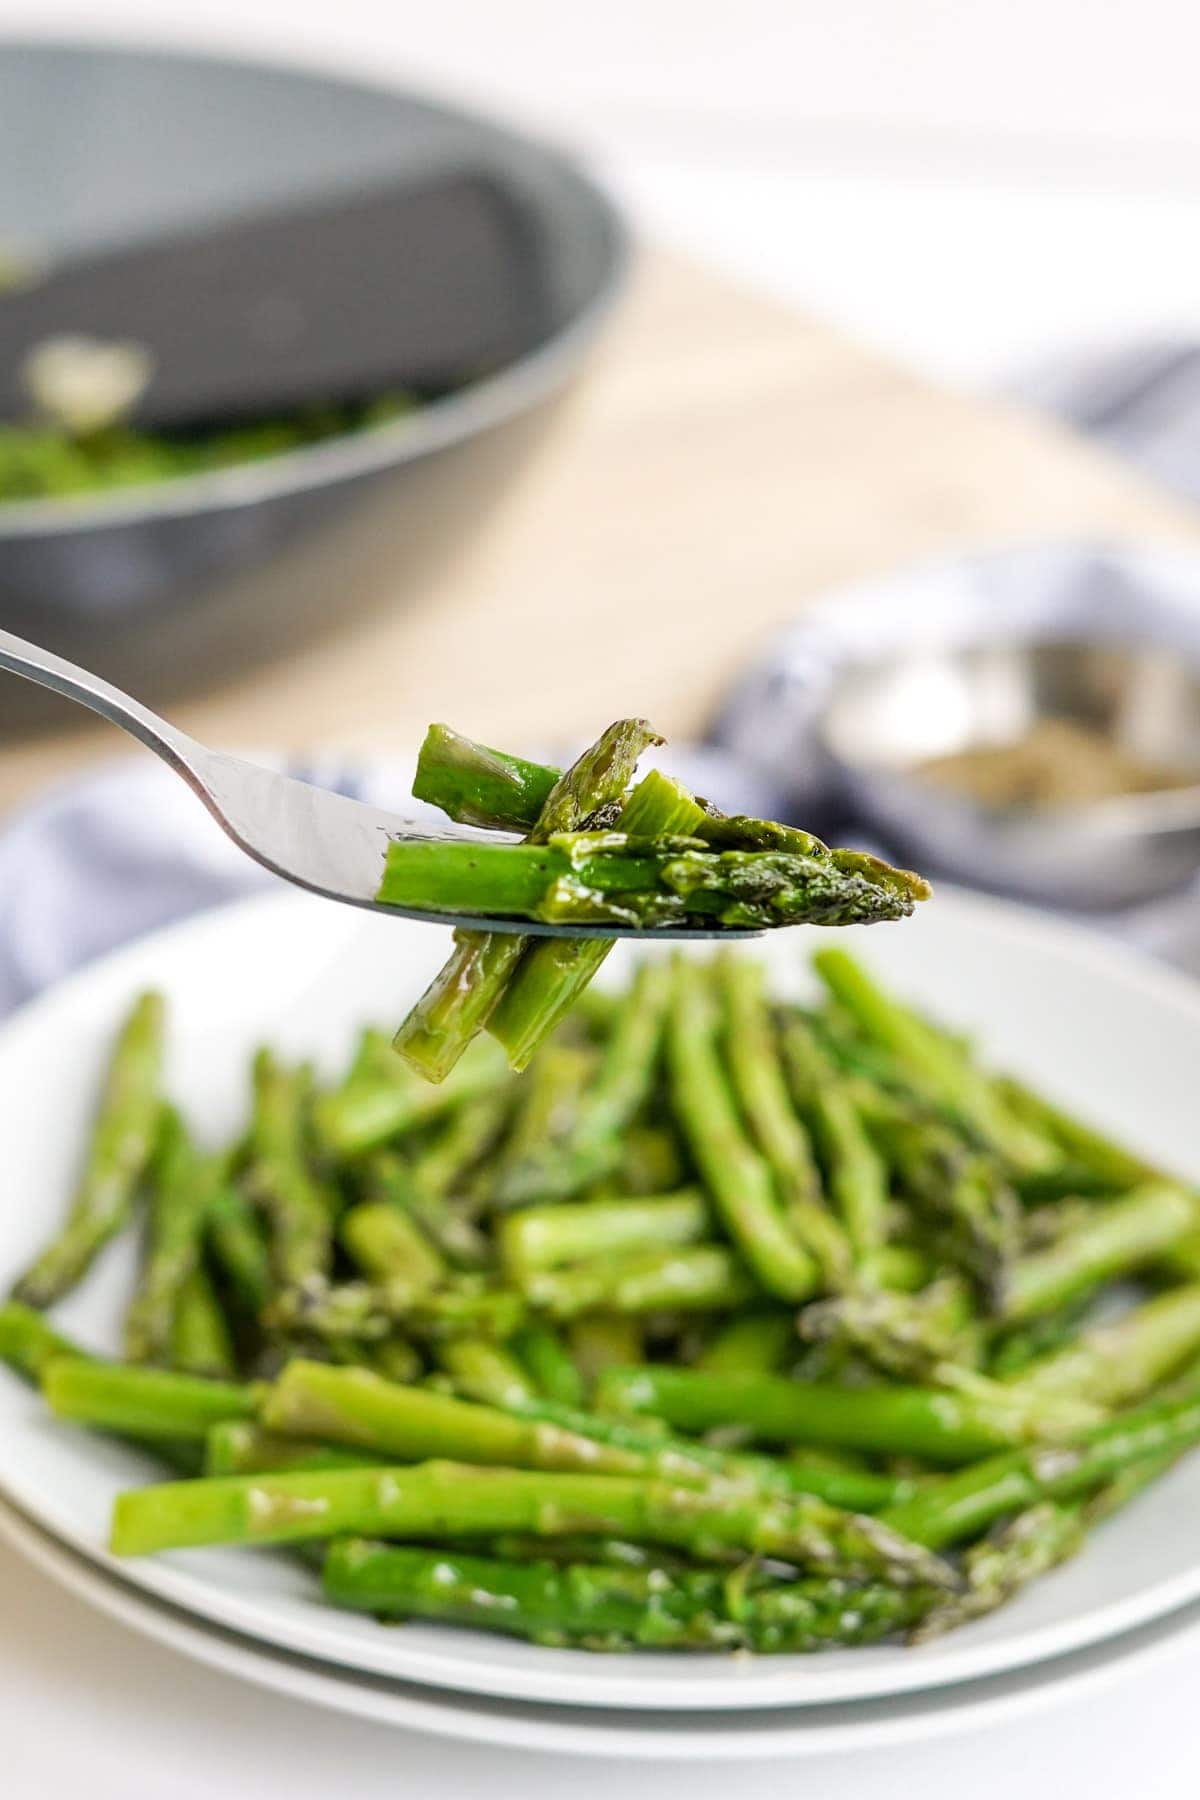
point(1100, 1030)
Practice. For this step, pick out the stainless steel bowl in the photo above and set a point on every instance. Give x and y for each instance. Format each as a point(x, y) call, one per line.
point(884, 721)
point(167, 585)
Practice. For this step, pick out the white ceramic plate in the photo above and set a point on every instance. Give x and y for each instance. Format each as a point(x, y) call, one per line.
point(1101, 1030)
point(577, 1731)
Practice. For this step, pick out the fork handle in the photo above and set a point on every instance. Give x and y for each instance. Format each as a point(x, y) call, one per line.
point(20, 657)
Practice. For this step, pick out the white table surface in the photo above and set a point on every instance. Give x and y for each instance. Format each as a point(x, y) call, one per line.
point(969, 186)
point(91, 1711)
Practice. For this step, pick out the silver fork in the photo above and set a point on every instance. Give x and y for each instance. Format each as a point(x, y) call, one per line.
point(322, 841)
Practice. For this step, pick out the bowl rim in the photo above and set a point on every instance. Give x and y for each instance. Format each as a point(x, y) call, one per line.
point(1156, 812)
point(1160, 813)
point(479, 407)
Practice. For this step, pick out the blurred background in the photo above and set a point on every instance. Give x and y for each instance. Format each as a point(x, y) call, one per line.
point(973, 187)
point(777, 301)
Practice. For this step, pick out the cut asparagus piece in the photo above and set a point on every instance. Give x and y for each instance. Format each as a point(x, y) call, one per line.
point(931, 1064)
point(355, 1407)
point(614, 878)
point(140, 1402)
point(1087, 1147)
point(546, 1237)
point(484, 1371)
point(543, 1354)
point(593, 1146)
point(913, 1337)
point(239, 1249)
point(961, 1505)
point(1122, 1360)
point(29, 1343)
point(446, 1500)
point(554, 974)
point(185, 1186)
point(388, 1245)
point(381, 1099)
point(298, 1211)
point(240, 1447)
point(478, 786)
point(607, 1608)
point(361, 1312)
point(756, 1343)
point(1121, 1237)
point(758, 1080)
point(736, 1177)
point(201, 1342)
point(458, 1002)
point(689, 1278)
point(122, 1143)
point(856, 1175)
point(941, 1425)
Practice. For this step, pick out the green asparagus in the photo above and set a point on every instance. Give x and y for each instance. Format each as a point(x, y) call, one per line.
point(240, 1447)
point(752, 1343)
point(141, 1402)
point(592, 1147)
point(608, 1608)
point(736, 1177)
point(184, 1188)
point(1123, 1359)
point(690, 1278)
point(961, 1505)
point(756, 1072)
point(546, 1237)
point(122, 1142)
point(942, 1425)
point(1121, 1237)
point(29, 1343)
point(856, 1175)
point(388, 1245)
point(298, 1211)
point(543, 1354)
point(435, 1279)
point(201, 1341)
point(932, 1066)
point(447, 1500)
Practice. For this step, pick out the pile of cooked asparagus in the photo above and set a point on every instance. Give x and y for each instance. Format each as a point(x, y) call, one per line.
point(732, 1323)
point(599, 849)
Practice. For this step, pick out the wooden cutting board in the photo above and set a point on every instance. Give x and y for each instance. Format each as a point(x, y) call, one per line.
point(726, 459)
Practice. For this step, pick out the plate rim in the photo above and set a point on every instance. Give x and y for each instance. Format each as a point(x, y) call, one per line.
point(518, 1726)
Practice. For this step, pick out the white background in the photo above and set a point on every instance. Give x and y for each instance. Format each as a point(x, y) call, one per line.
point(973, 183)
